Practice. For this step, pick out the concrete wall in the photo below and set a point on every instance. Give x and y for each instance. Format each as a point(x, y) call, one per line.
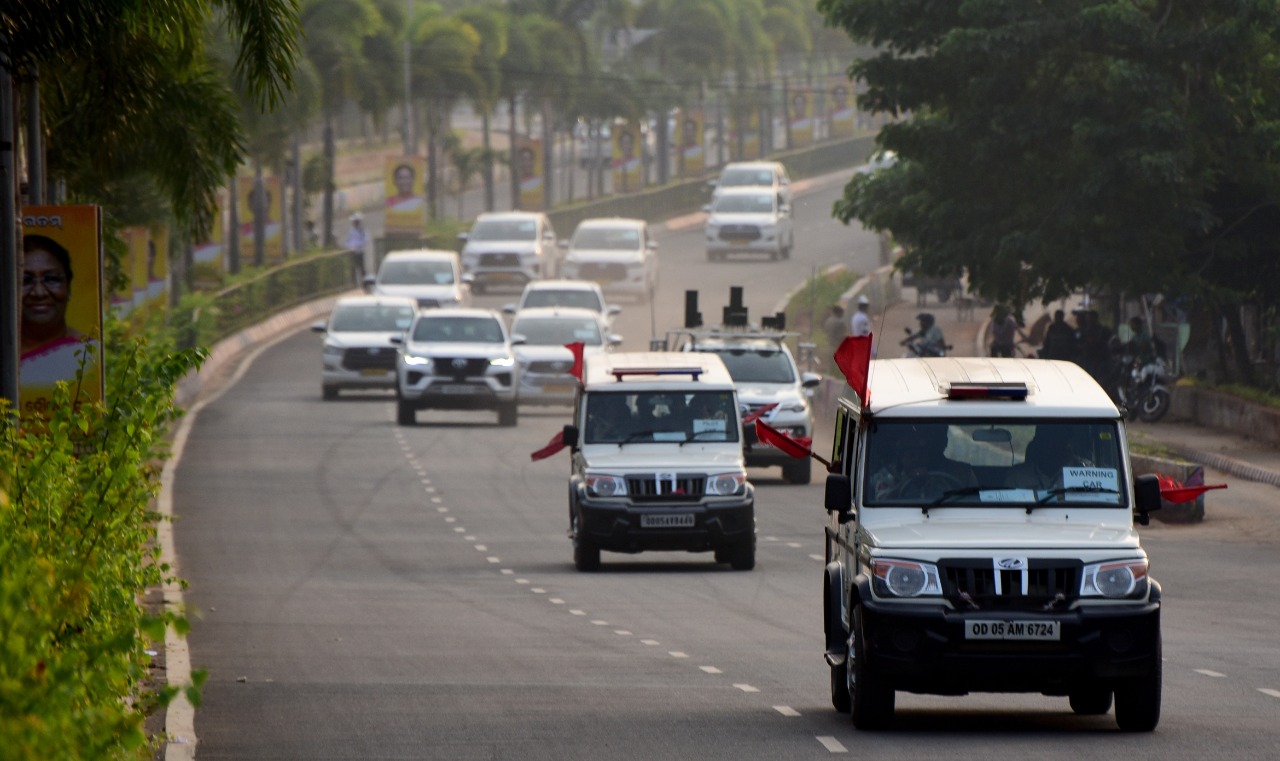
point(1217, 410)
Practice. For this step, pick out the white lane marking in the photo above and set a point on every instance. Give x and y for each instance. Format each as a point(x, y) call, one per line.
point(677, 654)
point(622, 632)
point(431, 490)
point(459, 530)
point(507, 572)
point(425, 480)
point(794, 545)
point(538, 591)
point(578, 612)
point(450, 519)
point(1207, 672)
point(711, 669)
point(600, 622)
point(649, 642)
point(832, 744)
point(440, 509)
point(817, 557)
point(786, 711)
point(555, 601)
point(481, 548)
point(747, 688)
point(493, 559)
point(436, 500)
point(771, 538)
point(522, 581)
point(1269, 691)
point(469, 538)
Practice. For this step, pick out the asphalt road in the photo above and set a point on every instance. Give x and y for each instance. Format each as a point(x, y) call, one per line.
point(370, 591)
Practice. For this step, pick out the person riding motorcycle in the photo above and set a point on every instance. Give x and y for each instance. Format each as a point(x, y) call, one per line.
point(929, 341)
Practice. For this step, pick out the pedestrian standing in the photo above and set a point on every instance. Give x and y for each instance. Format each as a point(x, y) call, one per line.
point(358, 240)
point(1059, 339)
point(860, 323)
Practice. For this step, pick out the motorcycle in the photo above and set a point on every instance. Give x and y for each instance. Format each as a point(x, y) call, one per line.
point(916, 348)
point(1142, 390)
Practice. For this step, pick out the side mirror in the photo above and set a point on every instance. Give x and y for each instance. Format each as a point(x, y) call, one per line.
point(784, 208)
point(468, 278)
point(810, 380)
point(463, 237)
point(518, 339)
point(319, 327)
point(570, 436)
point(397, 340)
point(1146, 497)
point(839, 494)
point(369, 281)
point(508, 308)
point(712, 183)
point(613, 309)
point(652, 245)
point(564, 243)
point(614, 339)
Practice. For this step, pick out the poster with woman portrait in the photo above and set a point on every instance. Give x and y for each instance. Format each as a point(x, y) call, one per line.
point(406, 204)
point(692, 160)
point(841, 111)
point(627, 161)
point(528, 164)
point(800, 114)
point(268, 197)
point(60, 317)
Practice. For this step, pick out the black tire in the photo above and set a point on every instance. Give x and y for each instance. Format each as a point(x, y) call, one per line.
point(872, 700)
point(799, 472)
point(1138, 699)
point(744, 556)
point(840, 698)
point(1091, 701)
point(1154, 406)
point(723, 554)
point(508, 415)
point(406, 413)
point(328, 393)
point(586, 556)
point(836, 636)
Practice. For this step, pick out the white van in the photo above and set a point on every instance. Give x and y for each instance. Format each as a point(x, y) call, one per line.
point(657, 460)
point(981, 539)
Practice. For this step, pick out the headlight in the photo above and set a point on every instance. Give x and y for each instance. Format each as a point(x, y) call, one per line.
point(415, 361)
point(502, 361)
point(904, 578)
point(333, 351)
point(1115, 580)
point(606, 486)
point(726, 484)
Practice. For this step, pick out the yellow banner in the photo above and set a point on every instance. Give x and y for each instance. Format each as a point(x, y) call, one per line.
point(692, 151)
point(800, 114)
point(61, 313)
point(842, 111)
point(406, 202)
point(627, 157)
point(529, 164)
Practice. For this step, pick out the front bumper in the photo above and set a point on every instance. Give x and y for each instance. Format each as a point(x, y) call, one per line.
point(612, 277)
point(547, 388)
point(922, 648)
point(457, 393)
point(359, 367)
point(614, 524)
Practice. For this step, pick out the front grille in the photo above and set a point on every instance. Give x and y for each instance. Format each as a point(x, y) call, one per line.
point(499, 260)
point(592, 271)
point(970, 582)
point(550, 367)
point(649, 488)
point(459, 368)
point(740, 232)
point(370, 358)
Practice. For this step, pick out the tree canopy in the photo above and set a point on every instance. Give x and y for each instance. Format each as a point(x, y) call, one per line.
point(1116, 145)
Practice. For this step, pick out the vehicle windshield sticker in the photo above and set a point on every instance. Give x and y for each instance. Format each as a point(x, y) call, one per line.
point(1104, 480)
point(669, 436)
point(1023, 496)
point(708, 424)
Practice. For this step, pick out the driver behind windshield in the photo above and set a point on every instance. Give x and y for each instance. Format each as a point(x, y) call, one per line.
point(911, 462)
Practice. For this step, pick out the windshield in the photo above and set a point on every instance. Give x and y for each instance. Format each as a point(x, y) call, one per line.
point(504, 229)
point(1019, 462)
point(483, 330)
point(737, 178)
point(757, 365)
point(547, 297)
point(660, 416)
point(370, 318)
point(415, 273)
point(557, 331)
point(610, 238)
point(757, 203)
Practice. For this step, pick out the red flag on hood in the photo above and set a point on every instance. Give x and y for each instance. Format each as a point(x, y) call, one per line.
point(553, 446)
point(853, 357)
point(576, 348)
point(792, 447)
point(752, 417)
point(1175, 491)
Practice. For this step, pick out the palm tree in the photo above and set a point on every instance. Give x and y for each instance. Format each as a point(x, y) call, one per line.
point(491, 24)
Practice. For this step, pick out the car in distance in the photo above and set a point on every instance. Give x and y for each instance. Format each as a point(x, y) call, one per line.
point(509, 248)
point(618, 253)
point(432, 278)
point(456, 359)
point(358, 350)
point(748, 221)
point(754, 174)
point(545, 363)
point(583, 294)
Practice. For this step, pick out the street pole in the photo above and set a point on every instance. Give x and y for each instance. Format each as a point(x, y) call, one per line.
point(9, 292)
point(407, 122)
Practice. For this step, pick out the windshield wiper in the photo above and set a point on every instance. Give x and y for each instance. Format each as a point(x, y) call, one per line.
point(1061, 490)
point(636, 436)
point(965, 491)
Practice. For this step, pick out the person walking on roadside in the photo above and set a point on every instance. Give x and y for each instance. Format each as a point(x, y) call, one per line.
point(1002, 332)
point(860, 323)
point(357, 238)
point(834, 326)
point(1059, 339)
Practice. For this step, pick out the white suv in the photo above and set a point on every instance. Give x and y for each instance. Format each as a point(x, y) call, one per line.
point(456, 359)
point(432, 278)
point(509, 248)
point(770, 175)
point(358, 349)
point(617, 253)
point(657, 460)
point(765, 375)
point(749, 221)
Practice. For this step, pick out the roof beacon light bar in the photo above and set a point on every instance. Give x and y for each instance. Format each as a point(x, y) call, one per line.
point(1009, 391)
point(693, 372)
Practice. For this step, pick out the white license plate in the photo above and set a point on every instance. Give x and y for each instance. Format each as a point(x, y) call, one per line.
point(459, 389)
point(373, 372)
point(1016, 630)
point(680, 520)
point(558, 388)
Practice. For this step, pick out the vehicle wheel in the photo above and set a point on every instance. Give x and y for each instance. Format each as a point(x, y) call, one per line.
point(1091, 701)
point(840, 699)
point(712, 256)
point(799, 472)
point(329, 393)
point(835, 632)
point(1138, 699)
point(508, 414)
point(406, 414)
point(743, 557)
point(723, 554)
point(586, 557)
point(872, 700)
point(1154, 406)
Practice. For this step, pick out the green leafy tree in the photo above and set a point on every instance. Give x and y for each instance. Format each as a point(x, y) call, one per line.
point(490, 23)
point(1123, 147)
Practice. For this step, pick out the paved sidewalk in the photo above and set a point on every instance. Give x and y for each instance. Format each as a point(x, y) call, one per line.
point(1228, 452)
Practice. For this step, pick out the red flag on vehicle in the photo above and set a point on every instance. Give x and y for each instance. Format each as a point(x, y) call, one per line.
point(1175, 491)
point(553, 446)
point(793, 447)
point(752, 417)
point(853, 357)
point(576, 347)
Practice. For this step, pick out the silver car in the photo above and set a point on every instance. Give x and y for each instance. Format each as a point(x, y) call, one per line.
point(545, 362)
point(749, 221)
point(456, 359)
point(432, 278)
point(618, 253)
point(509, 248)
point(358, 350)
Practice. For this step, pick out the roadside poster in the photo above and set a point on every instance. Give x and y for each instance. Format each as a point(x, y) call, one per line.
point(406, 204)
point(627, 163)
point(272, 204)
point(692, 158)
point(841, 109)
point(745, 145)
point(157, 267)
point(529, 165)
point(127, 295)
point(800, 114)
point(61, 312)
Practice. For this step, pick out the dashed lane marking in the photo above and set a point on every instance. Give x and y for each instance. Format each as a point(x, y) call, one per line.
point(817, 557)
point(577, 612)
point(650, 642)
point(1207, 672)
point(622, 632)
point(555, 601)
point(786, 711)
point(711, 669)
point(481, 548)
point(522, 581)
point(832, 744)
point(678, 654)
point(538, 591)
point(1269, 691)
point(508, 572)
point(747, 688)
point(493, 559)
point(599, 622)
